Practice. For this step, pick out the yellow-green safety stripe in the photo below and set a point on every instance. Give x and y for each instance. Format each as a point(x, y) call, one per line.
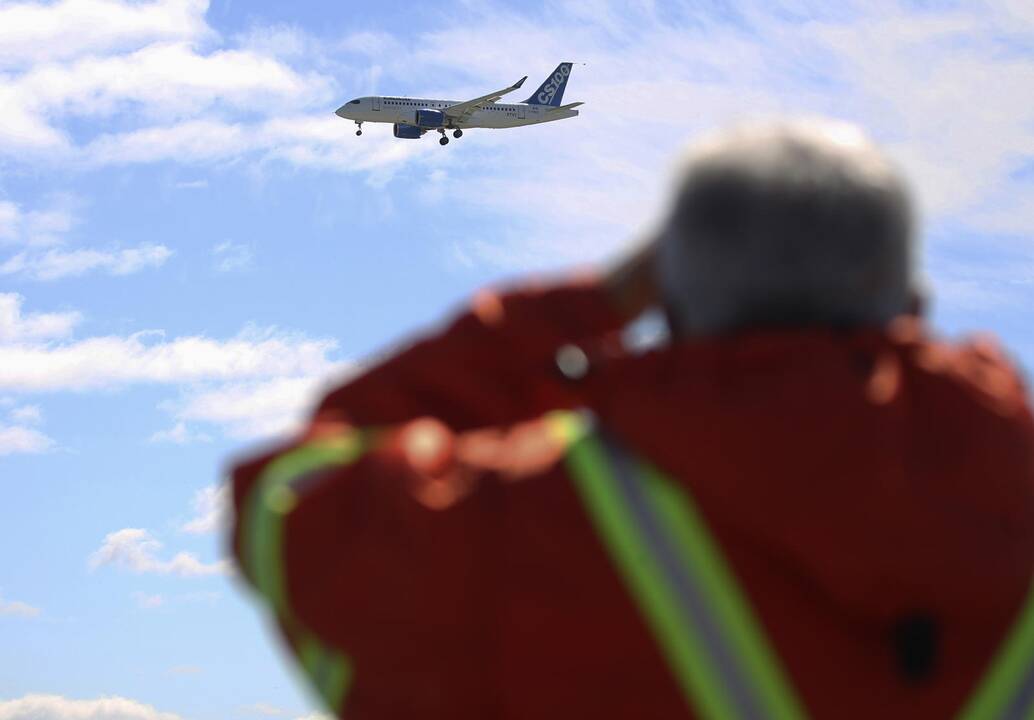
point(1007, 689)
point(271, 500)
point(696, 611)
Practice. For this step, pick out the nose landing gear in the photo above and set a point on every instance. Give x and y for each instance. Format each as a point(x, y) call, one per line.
point(360, 130)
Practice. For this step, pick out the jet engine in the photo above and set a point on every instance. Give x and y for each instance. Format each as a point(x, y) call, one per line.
point(409, 132)
point(427, 118)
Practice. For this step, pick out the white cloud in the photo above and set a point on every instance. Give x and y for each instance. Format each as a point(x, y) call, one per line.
point(10, 216)
point(281, 41)
point(266, 710)
point(35, 32)
point(258, 383)
point(90, 59)
point(136, 550)
point(144, 358)
point(201, 596)
point(230, 256)
point(177, 101)
point(260, 408)
point(20, 437)
point(26, 415)
point(15, 439)
point(56, 707)
point(15, 608)
point(211, 508)
point(16, 327)
point(167, 79)
point(148, 602)
point(58, 263)
point(371, 44)
point(315, 141)
point(43, 256)
point(48, 226)
point(179, 434)
point(24, 132)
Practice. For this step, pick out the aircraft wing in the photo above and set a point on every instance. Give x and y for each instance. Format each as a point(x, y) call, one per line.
point(463, 110)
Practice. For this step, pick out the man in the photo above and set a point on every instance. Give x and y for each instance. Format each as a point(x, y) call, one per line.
point(802, 505)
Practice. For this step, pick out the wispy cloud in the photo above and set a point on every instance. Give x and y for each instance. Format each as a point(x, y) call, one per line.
point(135, 549)
point(18, 327)
point(211, 510)
point(58, 263)
point(20, 437)
point(90, 59)
point(56, 707)
point(146, 357)
point(44, 253)
point(266, 710)
point(15, 608)
point(261, 408)
point(179, 434)
point(168, 81)
point(38, 227)
point(26, 414)
point(260, 382)
point(145, 601)
point(36, 32)
point(16, 439)
point(232, 257)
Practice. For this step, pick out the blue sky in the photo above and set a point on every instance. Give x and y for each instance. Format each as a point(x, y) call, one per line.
point(192, 244)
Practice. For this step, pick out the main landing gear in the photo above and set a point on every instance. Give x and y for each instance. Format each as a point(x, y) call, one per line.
point(444, 140)
point(360, 130)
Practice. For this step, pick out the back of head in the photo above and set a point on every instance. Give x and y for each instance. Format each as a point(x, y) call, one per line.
point(795, 224)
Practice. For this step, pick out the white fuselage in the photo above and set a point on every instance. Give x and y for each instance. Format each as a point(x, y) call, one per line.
point(402, 110)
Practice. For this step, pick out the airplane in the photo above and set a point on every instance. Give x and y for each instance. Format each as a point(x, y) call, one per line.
point(412, 117)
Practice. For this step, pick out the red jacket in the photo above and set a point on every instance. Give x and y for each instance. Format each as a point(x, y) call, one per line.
point(852, 480)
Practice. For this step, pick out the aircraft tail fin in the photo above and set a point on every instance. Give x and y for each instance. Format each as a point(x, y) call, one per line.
point(551, 92)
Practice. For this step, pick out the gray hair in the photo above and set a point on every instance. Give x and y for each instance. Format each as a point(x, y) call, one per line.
point(794, 224)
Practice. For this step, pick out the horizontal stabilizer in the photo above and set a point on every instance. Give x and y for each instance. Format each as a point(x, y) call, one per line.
point(569, 106)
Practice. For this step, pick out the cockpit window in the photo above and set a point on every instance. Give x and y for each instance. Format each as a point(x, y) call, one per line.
point(354, 102)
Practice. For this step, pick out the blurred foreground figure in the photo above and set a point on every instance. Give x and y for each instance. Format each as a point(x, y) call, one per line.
point(803, 505)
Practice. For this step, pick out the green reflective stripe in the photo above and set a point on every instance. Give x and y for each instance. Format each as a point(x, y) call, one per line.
point(688, 595)
point(272, 499)
point(329, 670)
point(741, 628)
point(1009, 676)
point(678, 641)
point(262, 524)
